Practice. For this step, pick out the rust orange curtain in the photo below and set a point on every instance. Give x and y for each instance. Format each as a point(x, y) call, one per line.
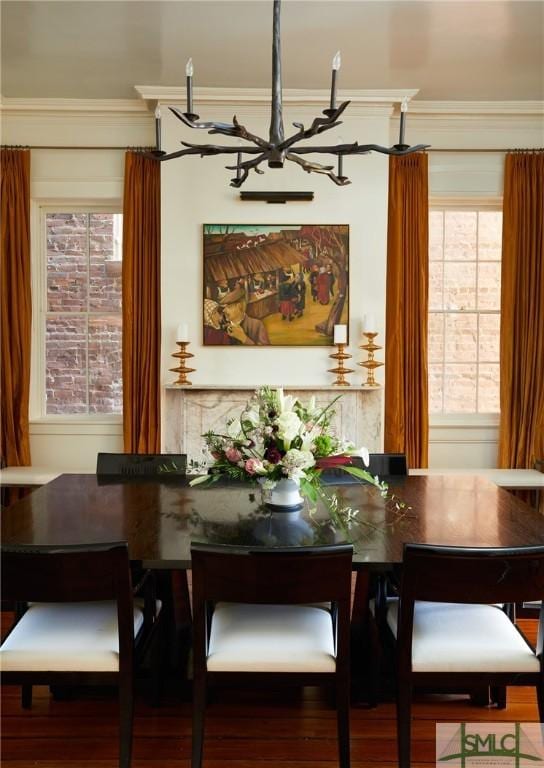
point(16, 307)
point(521, 434)
point(406, 388)
point(141, 304)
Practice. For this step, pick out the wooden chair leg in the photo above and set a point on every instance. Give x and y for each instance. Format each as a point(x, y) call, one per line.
point(199, 713)
point(479, 697)
point(342, 718)
point(498, 696)
point(158, 653)
point(26, 696)
point(540, 700)
point(363, 660)
point(404, 724)
point(126, 716)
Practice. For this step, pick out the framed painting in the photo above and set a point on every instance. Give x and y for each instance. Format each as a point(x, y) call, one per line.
point(275, 285)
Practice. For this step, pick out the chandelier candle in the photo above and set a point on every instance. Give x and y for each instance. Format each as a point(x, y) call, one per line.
point(403, 111)
point(189, 73)
point(158, 129)
point(336, 62)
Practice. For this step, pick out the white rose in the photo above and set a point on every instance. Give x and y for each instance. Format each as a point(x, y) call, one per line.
point(289, 425)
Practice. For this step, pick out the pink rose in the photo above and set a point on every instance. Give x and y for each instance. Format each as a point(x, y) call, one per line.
point(233, 455)
point(253, 466)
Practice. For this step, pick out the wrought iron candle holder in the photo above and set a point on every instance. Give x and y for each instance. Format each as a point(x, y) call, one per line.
point(182, 370)
point(370, 363)
point(340, 370)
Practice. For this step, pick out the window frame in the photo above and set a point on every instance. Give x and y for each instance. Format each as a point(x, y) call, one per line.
point(464, 203)
point(79, 423)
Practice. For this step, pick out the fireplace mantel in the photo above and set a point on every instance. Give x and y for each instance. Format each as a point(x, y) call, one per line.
point(190, 411)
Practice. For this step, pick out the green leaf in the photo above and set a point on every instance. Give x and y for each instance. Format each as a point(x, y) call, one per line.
point(308, 490)
point(359, 473)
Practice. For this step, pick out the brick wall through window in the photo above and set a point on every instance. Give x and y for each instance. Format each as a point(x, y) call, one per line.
point(83, 313)
point(464, 310)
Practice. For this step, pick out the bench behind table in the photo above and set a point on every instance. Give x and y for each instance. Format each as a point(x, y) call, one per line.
point(510, 479)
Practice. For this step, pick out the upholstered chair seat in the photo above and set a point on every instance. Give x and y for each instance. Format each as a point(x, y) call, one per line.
point(271, 638)
point(454, 637)
point(63, 637)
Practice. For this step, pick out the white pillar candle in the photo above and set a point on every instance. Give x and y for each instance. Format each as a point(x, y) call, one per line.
point(340, 334)
point(369, 324)
point(182, 333)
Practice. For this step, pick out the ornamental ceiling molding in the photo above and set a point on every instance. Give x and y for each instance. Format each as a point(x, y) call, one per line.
point(261, 96)
point(365, 100)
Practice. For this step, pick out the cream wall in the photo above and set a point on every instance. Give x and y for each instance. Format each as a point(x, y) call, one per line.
point(196, 191)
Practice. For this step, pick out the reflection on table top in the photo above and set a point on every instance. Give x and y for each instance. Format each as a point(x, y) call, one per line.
point(160, 519)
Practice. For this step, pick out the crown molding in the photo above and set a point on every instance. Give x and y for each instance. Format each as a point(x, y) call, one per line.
point(106, 107)
point(261, 96)
point(476, 108)
point(366, 100)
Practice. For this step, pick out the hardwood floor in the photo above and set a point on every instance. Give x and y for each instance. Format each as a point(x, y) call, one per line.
point(244, 730)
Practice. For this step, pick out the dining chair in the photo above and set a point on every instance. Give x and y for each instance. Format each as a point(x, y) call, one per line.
point(271, 616)
point(75, 623)
point(141, 465)
point(164, 468)
point(382, 464)
point(450, 629)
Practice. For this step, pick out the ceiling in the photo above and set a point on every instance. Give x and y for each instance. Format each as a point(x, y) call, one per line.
point(450, 50)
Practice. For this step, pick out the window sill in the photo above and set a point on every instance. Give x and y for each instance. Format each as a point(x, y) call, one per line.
point(464, 420)
point(100, 424)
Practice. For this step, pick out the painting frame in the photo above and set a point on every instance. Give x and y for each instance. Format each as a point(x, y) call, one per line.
point(274, 285)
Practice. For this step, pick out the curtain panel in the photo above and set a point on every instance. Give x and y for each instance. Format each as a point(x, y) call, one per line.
point(521, 433)
point(15, 305)
point(406, 387)
point(141, 304)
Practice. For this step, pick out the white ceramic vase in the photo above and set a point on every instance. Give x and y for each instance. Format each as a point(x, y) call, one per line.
point(286, 493)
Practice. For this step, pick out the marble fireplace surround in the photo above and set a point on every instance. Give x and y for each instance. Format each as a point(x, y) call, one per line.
point(190, 411)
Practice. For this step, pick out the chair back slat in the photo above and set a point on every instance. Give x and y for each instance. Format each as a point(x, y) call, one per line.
point(272, 576)
point(381, 464)
point(388, 464)
point(66, 574)
point(467, 575)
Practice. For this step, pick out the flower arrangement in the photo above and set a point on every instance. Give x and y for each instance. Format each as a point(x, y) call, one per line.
point(276, 437)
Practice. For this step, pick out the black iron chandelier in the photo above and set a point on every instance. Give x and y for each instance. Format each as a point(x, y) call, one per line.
point(277, 149)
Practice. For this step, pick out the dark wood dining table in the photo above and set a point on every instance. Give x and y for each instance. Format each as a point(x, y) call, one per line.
point(160, 518)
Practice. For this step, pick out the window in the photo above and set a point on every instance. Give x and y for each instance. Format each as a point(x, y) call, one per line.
point(464, 310)
point(83, 322)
